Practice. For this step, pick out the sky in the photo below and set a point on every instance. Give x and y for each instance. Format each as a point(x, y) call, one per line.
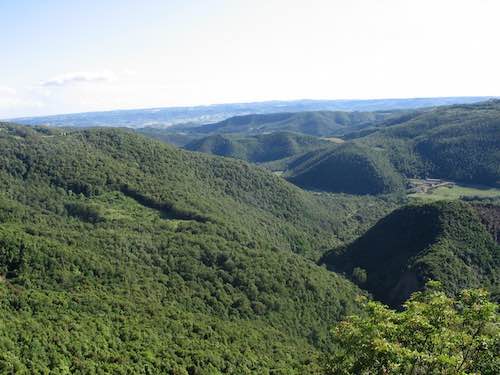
point(64, 56)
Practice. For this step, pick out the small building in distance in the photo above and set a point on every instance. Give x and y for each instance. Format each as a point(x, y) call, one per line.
point(428, 184)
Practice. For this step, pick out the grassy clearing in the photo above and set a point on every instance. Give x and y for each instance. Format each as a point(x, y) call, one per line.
point(334, 139)
point(457, 191)
point(116, 207)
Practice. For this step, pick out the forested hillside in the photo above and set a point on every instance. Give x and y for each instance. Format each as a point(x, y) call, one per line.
point(121, 254)
point(258, 148)
point(175, 138)
point(348, 168)
point(442, 241)
point(459, 142)
point(380, 151)
point(317, 123)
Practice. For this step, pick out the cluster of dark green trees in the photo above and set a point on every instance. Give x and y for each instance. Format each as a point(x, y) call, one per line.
point(258, 148)
point(347, 168)
point(443, 241)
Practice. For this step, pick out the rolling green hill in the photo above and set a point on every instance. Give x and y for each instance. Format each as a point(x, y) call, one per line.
point(316, 123)
point(258, 148)
point(120, 254)
point(175, 138)
point(460, 142)
point(348, 168)
point(444, 241)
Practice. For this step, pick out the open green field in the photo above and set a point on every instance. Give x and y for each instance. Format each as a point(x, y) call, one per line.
point(456, 192)
point(334, 139)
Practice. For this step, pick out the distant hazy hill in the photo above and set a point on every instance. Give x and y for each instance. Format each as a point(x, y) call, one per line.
point(161, 117)
point(318, 123)
point(259, 148)
point(442, 241)
point(174, 138)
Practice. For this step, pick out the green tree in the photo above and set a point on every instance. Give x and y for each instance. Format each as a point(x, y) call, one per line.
point(434, 334)
point(359, 275)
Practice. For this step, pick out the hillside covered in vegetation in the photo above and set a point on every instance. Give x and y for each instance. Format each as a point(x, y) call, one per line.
point(380, 151)
point(316, 123)
point(443, 241)
point(162, 260)
point(348, 168)
point(258, 148)
point(159, 118)
point(460, 142)
point(121, 254)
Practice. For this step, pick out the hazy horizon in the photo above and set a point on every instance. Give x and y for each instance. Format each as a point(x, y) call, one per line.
point(67, 57)
point(250, 102)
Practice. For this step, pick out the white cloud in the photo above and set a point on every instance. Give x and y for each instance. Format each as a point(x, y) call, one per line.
point(80, 77)
point(129, 72)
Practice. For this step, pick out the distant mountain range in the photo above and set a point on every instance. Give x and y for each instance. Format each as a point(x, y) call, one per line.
point(164, 117)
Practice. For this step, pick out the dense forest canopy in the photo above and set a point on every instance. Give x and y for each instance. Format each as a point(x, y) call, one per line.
point(317, 123)
point(348, 168)
point(122, 254)
point(162, 260)
point(459, 142)
point(258, 148)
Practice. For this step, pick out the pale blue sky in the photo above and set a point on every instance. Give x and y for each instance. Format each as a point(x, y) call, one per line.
point(61, 56)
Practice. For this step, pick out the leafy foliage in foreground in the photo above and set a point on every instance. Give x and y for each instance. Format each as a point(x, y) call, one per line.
point(434, 334)
point(119, 254)
point(443, 241)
